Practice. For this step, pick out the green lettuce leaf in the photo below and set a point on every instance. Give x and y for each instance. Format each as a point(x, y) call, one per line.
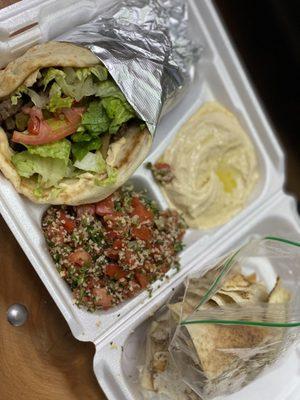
point(59, 150)
point(50, 170)
point(94, 120)
point(118, 111)
point(112, 175)
point(109, 89)
point(92, 162)
point(99, 71)
point(56, 99)
point(82, 136)
point(80, 149)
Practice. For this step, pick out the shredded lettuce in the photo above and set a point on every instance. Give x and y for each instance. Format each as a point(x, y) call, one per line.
point(76, 83)
point(80, 149)
point(99, 71)
point(109, 89)
point(56, 99)
point(39, 100)
point(50, 170)
point(118, 111)
point(92, 162)
point(60, 150)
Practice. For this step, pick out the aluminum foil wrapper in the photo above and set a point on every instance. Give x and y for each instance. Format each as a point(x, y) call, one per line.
point(146, 48)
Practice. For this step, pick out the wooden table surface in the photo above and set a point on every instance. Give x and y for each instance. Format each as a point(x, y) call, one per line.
point(41, 360)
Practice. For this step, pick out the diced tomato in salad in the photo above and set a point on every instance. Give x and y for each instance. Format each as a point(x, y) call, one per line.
point(142, 279)
point(68, 223)
point(80, 257)
point(142, 233)
point(114, 271)
point(111, 250)
point(102, 298)
point(140, 210)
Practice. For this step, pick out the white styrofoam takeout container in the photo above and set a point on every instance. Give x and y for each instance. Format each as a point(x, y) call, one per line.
point(220, 76)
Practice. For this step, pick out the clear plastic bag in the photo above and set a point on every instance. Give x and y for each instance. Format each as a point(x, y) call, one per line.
point(238, 317)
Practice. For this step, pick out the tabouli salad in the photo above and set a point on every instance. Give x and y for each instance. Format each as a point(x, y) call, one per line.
point(111, 250)
point(63, 124)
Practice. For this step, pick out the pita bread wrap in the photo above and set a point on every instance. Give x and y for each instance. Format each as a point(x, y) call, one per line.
point(124, 153)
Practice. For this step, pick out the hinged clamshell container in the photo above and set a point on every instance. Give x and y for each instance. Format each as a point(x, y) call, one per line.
point(220, 77)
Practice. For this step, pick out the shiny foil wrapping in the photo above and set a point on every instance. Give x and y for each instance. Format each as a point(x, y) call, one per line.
point(146, 47)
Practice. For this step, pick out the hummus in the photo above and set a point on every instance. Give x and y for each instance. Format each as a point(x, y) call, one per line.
point(214, 166)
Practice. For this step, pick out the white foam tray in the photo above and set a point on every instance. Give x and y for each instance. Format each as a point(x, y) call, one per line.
point(115, 362)
point(219, 76)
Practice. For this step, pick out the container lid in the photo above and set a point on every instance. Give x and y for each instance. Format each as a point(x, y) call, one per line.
point(29, 22)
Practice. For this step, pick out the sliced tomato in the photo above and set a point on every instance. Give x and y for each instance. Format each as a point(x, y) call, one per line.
point(103, 299)
point(80, 257)
point(114, 271)
point(85, 209)
point(105, 206)
point(33, 112)
point(142, 279)
point(34, 126)
point(142, 233)
point(68, 223)
point(41, 130)
point(140, 210)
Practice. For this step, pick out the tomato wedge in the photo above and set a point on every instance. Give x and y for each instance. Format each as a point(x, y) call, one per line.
point(40, 131)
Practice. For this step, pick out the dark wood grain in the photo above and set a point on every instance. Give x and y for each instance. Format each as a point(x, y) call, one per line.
point(40, 360)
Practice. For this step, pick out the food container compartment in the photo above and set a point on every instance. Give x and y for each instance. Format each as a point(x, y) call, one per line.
point(115, 362)
point(219, 76)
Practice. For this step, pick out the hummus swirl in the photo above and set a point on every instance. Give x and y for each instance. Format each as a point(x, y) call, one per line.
point(214, 166)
